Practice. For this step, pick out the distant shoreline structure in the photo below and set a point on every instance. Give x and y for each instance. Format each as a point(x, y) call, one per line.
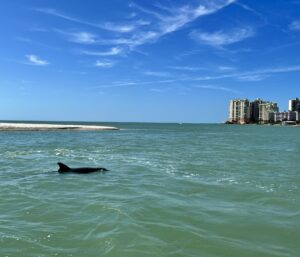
point(243, 111)
point(50, 127)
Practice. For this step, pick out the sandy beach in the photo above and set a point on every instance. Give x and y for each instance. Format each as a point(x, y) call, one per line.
point(47, 127)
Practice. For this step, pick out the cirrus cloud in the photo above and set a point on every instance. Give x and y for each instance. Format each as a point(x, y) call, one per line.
point(221, 38)
point(104, 64)
point(35, 60)
point(112, 51)
point(295, 25)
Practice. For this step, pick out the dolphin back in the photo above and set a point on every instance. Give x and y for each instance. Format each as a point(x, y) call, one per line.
point(63, 167)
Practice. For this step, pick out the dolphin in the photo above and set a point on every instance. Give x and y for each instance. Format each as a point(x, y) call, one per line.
point(64, 168)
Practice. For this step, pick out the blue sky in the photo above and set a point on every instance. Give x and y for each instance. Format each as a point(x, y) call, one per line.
point(147, 61)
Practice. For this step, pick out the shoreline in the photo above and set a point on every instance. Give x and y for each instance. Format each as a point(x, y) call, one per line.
point(265, 124)
point(4, 126)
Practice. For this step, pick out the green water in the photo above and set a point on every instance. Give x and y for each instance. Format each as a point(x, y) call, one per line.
point(173, 190)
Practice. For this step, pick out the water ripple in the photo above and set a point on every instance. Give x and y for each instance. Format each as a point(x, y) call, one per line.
point(190, 190)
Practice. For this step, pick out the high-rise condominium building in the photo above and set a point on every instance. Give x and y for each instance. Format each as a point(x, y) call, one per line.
point(242, 111)
point(266, 112)
point(255, 109)
point(294, 105)
point(239, 111)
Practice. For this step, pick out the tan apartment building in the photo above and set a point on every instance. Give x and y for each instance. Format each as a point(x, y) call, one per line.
point(239, 111)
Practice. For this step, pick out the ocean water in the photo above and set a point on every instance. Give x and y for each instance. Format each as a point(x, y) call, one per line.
point(172, 190)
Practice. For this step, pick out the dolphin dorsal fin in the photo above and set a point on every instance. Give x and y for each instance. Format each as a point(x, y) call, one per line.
point(63, 167)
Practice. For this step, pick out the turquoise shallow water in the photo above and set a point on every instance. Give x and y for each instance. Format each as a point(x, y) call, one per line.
point(173, 190)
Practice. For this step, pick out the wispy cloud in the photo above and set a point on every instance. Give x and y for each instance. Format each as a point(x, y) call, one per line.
point(159, 21)
point(104, 64)
point(118, 84)
point(185, 14)
point(247, 76)
point(295, 25)
point(226, 89)
point(146, 11)
point(112, 51)
point(83, 37)
point(54, 12)
point(223, 69)
point(221, 38)
point(277, 70)
point(187, 68)
point(226, 68)
point(136, 83)
point(249, 9)
point(121, 28)
point(160, 90)
point(252, 77)
point(35, 60)
point(174, 19)
point(157, 73)
point(124, 27)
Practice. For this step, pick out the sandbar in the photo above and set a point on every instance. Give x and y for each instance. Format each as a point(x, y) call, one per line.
point(47, 127)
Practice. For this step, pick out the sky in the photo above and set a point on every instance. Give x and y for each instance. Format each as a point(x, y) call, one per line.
point(145, 61)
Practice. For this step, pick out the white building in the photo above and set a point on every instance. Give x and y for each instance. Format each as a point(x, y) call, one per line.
point(239, 111)
point(286, 116)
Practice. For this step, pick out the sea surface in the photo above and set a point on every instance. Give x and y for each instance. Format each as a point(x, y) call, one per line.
point(172, 190)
